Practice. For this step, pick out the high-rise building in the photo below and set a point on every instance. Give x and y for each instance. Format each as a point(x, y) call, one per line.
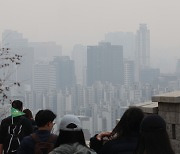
point(142, 58)
point(46, 50)
point(79, 55)
point(64, 72)
point(44, 77)
point(129, 72)
point(125, 39)
point(78, 99)
point(143, 47)
point(44, 87)
point(105, 63)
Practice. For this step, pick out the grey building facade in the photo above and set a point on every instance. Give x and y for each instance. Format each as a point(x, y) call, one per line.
point(105, 63)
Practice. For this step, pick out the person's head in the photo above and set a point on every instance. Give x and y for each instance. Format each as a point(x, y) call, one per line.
point(70, 131)
point(129, 122)
point(44, 119)
point(153, 136)
point(17, 104)
point(28, 114)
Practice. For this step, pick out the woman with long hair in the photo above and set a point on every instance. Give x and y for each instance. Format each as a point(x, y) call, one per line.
point(71, 137)
point(153, 137)
point(124, 137)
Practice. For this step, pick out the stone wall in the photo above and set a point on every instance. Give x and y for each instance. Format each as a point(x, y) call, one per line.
point(169, 110)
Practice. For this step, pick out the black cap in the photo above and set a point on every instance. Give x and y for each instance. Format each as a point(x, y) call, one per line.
point(153, 123)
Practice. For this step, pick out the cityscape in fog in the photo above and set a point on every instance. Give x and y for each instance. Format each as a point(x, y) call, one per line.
point(97, 82)
point(95, 71)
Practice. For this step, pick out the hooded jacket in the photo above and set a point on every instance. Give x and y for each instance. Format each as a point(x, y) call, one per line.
point(74, 148)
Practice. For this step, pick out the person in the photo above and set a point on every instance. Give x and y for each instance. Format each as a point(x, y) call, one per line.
point(124, 137)
point(153, 137)
point(28, 114)
point(42, 140)
point(13, 129)
point(71, 137)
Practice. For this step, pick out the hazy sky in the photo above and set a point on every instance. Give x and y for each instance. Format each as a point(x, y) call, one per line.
point(70, 22)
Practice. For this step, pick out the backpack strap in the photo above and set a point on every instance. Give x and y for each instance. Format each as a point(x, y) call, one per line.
point(13, 133)
point(35, 137)
point(52, 138)
point(21, 118)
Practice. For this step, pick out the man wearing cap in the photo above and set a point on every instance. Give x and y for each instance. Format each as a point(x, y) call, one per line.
point(13, 129)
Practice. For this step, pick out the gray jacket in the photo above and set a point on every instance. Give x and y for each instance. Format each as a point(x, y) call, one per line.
point(74, 148)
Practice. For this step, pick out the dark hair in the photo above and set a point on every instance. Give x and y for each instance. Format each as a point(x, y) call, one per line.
point(70, 137)
point(17, 104)
point(28, 113)
point(43, 117)
point(129, 123)
point(154, 138)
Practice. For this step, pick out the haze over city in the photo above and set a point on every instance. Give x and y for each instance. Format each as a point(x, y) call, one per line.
point(100, 61)
point(92, 58)
point(70, 22)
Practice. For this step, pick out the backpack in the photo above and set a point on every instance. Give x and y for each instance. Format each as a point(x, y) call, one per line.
point(43, 147)
point(14, 136)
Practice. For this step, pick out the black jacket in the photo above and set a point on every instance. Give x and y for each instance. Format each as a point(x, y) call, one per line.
point(26, 126)
point(124, 145)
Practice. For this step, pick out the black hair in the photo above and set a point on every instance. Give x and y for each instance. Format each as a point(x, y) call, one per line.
point(17, 104)
point(43, 117)
point(28, 113)
point(66, 137)
point(129, 123)
point(154, 138)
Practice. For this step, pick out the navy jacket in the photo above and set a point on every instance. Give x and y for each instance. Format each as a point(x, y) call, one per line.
point(28, 144)
point(124, 145)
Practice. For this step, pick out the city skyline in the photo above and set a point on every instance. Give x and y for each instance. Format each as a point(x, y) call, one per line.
point(91, 58)
point(86, 22)
point(97, 84)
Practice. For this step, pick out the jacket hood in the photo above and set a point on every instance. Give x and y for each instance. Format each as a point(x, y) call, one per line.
point(74, 148)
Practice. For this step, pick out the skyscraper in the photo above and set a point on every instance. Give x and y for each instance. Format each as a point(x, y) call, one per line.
point(44, 77)
point(44, 86)
point(64, 72)
point(125, 39)
point(142, 49)
point(79, 55)
point(105, 63)
point(143, 46)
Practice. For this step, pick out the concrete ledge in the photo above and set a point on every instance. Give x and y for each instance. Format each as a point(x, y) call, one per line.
point(172, 97)
point(148, 107)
